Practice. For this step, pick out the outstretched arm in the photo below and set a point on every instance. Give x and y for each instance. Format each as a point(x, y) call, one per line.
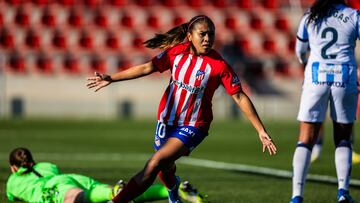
point(102, 80)
point(247, 107)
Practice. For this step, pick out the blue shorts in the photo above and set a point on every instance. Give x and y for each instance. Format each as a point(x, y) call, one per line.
point(189, 135)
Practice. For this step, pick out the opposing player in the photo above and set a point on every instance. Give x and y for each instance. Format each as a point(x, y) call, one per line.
point(42, 182)
point(184, 113)
point(330, 28)
point(316, 150)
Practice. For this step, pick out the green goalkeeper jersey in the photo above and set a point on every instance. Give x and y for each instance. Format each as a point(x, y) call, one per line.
point(29, 186)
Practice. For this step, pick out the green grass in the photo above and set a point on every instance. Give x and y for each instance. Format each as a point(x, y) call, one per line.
point(232, 142)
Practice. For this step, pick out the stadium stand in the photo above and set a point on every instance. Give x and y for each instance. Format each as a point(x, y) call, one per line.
point(72, 33)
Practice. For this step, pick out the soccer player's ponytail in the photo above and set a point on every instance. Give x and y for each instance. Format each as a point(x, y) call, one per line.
point(321, 9)
point(177, 34)
point(21, 157)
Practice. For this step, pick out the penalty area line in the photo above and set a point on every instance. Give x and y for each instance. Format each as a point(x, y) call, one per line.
point(260, 170)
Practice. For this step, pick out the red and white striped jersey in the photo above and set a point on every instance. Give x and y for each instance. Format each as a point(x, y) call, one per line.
point(194, 79)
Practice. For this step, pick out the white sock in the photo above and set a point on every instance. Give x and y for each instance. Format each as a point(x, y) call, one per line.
point(301, 162)
point(343, 156)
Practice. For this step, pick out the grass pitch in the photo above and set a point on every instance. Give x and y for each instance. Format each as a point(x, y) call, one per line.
point(112, 150)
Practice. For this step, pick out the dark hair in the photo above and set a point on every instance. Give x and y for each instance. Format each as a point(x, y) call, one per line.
point(177, 34)
point(321, 9)
point(21, 157)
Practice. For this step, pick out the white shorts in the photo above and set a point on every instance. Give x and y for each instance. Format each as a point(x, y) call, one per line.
point(315, 99)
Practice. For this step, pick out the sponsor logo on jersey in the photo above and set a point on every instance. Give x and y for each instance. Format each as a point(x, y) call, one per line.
point(157, 142)
point(189, 88)
point(183, 134)
point(200, 75)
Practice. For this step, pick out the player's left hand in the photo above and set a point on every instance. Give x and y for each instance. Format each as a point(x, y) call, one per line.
point(267, 143)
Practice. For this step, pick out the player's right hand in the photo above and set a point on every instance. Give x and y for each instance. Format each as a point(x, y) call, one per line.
point(98, 81)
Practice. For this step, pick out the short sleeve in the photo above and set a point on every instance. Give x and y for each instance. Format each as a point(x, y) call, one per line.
point(302, 33)
point(230, 80)
point(358, 23)
point(9, 189)
point(161, 62)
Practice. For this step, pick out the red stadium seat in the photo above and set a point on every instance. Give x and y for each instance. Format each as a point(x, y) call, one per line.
point(219, 3)
point(1, 20)
point(138, 42)
point(169, 3)
point(48, 18)
point(244, 4)
point(75, 18)
point(32, 39)
point(123, 63)
point(127, 20)
point(112, 41)
point(67, 3)
point(86, 40)
point(92, 3)
point(269, 45)
point(16, 63)
point(282, 23)
point(101, 19)
point(44, 63)
point(256, 22)
point(244, 44)
point(178, 20)
point(6, 38)
point(230, 22)
point(41, 2)
point(195, 4)
point(71, 64)
point(59, 40)
point(14, 2)
point(22, 18)
point(118, 3)
point(97, 64)
point(153, 21)
point(270, 4)
point(145, 3)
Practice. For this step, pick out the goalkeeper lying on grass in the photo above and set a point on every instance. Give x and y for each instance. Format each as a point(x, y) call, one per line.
point(43, 183)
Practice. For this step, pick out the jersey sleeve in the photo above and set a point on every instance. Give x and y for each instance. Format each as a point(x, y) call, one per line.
point(358, 23)
point(230, 80)
point(302, 40)
point(161, 62)
point(9, 189)
point(10, 197)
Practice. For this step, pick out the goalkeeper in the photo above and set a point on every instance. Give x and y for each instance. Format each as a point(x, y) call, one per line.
point(43, 183)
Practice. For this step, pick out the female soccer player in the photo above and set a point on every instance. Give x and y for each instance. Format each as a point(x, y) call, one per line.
point(330, 28)
point(43, 182)
point(184, 113)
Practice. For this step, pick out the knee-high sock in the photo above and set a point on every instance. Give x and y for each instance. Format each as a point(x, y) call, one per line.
point(301, 162)
point(100, 193)
point(168, 177)
point(343, 156)
point(155, 192)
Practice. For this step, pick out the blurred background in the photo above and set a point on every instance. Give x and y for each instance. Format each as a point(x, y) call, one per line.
point(49, 47)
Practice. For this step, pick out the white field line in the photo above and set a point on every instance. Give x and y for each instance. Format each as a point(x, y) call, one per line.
point(185, 160)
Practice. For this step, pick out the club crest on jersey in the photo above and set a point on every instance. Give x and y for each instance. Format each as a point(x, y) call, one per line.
point(160, 55)
point(235, 80)
point(200, 75)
